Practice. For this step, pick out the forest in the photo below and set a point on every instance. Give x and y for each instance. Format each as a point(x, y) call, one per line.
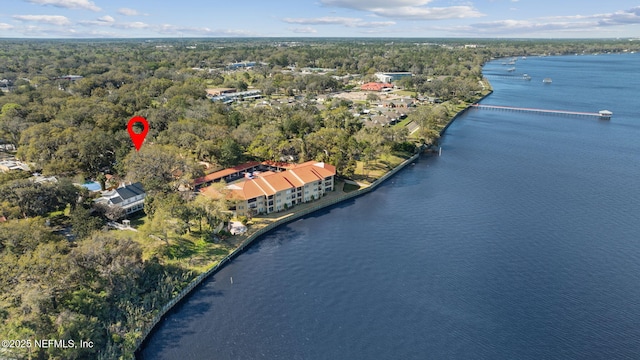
point(63, 276)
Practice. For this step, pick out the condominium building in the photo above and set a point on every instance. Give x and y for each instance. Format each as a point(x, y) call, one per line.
point(264, 192)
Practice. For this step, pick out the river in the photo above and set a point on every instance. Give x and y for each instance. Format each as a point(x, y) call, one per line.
point(520, 242)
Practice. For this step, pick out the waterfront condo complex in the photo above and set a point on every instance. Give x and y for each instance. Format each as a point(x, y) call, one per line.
point(278, 188)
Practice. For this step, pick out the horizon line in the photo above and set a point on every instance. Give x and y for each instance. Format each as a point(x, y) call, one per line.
point(320, 37)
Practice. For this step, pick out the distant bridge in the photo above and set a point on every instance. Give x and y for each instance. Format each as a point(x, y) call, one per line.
point(602, 114)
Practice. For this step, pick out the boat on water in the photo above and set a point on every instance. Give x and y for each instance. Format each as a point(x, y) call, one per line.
point(546, 80)
point(526, 77)
point(511, 69)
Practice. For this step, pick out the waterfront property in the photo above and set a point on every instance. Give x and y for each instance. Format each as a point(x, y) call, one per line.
point(264, 192)
point(464, 240)
point(228, 175)
point(129, 197)
point(239, 171)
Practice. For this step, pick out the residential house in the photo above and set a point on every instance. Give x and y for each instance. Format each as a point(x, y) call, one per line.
point(239, 65)
point(70, 77)
point(220, 91)
point(9, 165)
point(129, 197)
point(6, 85)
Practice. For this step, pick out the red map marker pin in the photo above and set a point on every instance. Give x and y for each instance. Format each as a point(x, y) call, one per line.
point(138, 139)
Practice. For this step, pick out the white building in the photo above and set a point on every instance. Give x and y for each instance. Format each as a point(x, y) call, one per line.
point(388, 77)
point(9, 165)
point(269, 191)
point(129, 197)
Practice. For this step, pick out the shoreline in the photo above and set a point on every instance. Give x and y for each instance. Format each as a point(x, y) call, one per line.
point(166, 309)
point(459, 113)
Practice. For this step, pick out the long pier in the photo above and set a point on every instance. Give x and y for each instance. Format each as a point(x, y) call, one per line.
point(508, 76)
point(602, 114)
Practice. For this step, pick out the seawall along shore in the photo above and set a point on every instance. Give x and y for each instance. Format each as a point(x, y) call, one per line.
point(253, 237)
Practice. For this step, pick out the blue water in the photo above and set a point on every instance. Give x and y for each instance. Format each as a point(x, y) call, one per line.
point(520, 242)
point(92, 186)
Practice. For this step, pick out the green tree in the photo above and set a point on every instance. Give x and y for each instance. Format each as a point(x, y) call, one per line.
point(230, 153)
point(158, 168)
point(83, 223)
point(20, 236)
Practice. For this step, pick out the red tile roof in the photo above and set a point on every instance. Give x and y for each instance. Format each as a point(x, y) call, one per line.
point(269, 183)
point(375, 86)
point(226, 172)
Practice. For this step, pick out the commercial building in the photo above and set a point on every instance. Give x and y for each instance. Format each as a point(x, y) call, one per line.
point(388, 77)
point(373, 86)
point(228, 98)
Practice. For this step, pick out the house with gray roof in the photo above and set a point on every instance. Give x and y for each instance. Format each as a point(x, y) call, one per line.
point(128, 197)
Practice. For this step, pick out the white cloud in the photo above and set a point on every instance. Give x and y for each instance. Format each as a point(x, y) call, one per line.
point(68, 4)
point(106, 19)
point(406, 9)
point(101, 21)
point(132, 25)
point(327, 20)
point(631, 16)
point(426, 13)
point(128, 12)
point(128, 29)
point(41, 32)
point(304, 30)
point(345, 21)
point(169, 29)
point(556, 24)
point(4, 26)
point(369, 4)
point(46, 19)
point(374, 24)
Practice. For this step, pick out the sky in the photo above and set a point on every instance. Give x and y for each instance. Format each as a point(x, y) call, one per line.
point(319, 18)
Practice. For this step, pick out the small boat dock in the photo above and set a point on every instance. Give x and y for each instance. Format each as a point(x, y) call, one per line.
point(602, 114)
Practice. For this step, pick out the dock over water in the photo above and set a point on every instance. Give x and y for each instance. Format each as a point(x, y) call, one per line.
point(602, 114)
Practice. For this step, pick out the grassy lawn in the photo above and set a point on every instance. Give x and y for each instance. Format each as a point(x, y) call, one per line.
point(194, 253)
point(404, 93)
point(376, 168)
point(403, 122)
point(350, 187)
point(138, 220)
point(190, 251)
